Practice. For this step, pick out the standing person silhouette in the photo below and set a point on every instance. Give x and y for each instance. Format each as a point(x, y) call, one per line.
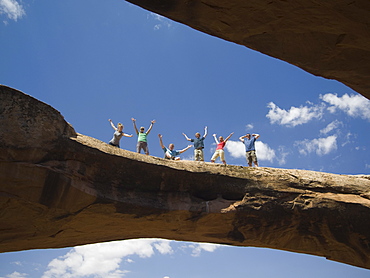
point(142, 142)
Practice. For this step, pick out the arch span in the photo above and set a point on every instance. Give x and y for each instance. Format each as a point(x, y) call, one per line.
point(60, 188)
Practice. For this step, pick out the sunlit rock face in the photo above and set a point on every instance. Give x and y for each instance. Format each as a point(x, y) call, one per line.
point(59, 188)
point(326, 38)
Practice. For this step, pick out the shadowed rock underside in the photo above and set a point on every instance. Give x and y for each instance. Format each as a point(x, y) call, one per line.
point(326, 38)
point(59, 188)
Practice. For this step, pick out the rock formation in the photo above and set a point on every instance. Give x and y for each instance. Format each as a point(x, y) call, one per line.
point(326, 38)
point(59, 188)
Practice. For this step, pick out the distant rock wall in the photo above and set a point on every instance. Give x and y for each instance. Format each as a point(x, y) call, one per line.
point(59, 188)
point(326, 38)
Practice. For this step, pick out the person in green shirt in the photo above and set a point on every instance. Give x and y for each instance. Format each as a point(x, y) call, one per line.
point(142, 142)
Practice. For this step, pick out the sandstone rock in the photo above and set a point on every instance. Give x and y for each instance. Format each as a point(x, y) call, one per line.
point(326, 38)
point(60, 188)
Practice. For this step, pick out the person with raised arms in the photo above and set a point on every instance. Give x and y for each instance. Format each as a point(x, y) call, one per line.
point(198, 145)
point(170, 152)
point(220, 148)
point(117, 135)
point(142, 143)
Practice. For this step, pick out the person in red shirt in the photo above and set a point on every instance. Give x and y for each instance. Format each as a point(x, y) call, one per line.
point(220, 148)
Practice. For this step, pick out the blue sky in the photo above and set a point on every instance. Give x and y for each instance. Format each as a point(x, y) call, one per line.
point(98, 60)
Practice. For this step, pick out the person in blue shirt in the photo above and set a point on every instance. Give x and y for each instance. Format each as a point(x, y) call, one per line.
point(250, 150)
point(198, 145)
point(170, 152)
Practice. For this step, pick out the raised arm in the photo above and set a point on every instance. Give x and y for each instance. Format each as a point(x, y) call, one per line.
point(111, 123)
point(241, 138)
point(184, 150)
point(150, 127)
point(186, 137)
point(127, 135)
point(256, 136)
point(228, 137)
point(160, 141)
point(214, 136)
point(134, 122)
point(205, 132)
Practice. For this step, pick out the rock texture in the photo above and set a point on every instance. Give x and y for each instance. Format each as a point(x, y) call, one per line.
point(326, 38)
point(59, 188)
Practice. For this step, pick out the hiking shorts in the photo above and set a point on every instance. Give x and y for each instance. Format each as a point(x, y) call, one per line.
point(142, 145)
point(218, 153)
point(251, 156)
point(198, 155)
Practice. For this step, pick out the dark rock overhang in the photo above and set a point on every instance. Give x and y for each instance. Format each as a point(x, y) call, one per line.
point(326, 38)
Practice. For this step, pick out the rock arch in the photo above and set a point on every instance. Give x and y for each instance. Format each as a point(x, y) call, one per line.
point(60, 188)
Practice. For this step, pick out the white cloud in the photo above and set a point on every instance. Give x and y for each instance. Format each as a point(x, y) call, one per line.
point(353, 105)
point(163, 247)
point(103, 259)
point(163, 21)
point(235, 148)
point(348, 139)
point(12, 9)
point(295, 115)
point(282, 154)
point(249, 126)
point(199, 247)
point(263, 151)
point(333, 125)
point(320, 146)
point(16, 274)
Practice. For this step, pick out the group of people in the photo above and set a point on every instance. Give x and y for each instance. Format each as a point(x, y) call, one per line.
point(198, 143)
